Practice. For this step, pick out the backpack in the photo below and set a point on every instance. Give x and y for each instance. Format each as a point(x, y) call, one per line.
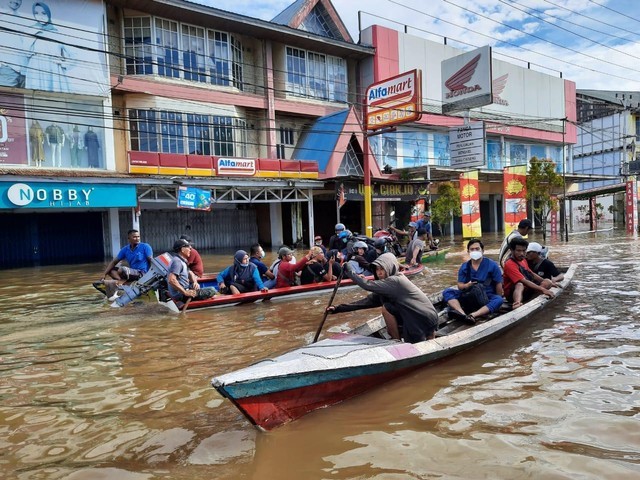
point(475, 296)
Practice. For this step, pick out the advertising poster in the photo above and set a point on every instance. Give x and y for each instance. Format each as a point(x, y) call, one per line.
point(470, 199)
point(194, 198)
point(631, 205)
point(553, 218)
point(54, 46)
point(13, 142)
point(515, 196)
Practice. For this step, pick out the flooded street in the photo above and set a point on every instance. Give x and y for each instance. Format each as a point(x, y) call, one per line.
point(91, 392)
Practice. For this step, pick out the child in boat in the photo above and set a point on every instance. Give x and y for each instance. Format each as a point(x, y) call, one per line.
point(403, 304)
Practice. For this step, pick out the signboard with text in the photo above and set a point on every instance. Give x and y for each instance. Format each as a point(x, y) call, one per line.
point(466, 145)
point(384, 191)
point(394, 101)
point(194, 198)
point(236, 166)
point(66, 195)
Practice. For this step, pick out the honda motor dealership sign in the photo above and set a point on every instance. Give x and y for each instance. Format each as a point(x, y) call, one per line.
point(395, 100)
point(466, 144)
point(467, 81)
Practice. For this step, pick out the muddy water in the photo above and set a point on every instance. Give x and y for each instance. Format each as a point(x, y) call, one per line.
point(90, 392)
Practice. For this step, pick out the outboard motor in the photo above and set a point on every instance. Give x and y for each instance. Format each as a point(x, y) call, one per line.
point(158, 271)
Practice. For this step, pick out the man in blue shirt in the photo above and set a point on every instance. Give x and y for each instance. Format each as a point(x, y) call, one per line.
point(137, 254)
point(256, 254)
point(479, 272)
point(425, 223)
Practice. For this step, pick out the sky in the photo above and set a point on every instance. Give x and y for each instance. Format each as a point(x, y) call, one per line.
point(595, 43)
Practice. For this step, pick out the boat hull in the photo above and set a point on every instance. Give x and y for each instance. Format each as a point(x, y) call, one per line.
point(289, 292)
point(277, 391)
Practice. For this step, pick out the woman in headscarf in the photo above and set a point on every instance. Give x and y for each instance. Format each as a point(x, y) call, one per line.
point(241, 277)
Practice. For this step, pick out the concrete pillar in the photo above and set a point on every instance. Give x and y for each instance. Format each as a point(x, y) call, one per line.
point(114, 231)
point(275, 214)
point(311, 218)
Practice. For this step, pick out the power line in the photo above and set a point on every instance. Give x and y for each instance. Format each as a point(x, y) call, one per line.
point(615, 11)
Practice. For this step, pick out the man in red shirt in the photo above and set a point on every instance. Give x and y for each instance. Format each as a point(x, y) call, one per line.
point(287, 271)
point(194, 262)
point(520, 283)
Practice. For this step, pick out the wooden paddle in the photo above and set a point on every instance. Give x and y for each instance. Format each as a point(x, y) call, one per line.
point(326, 312)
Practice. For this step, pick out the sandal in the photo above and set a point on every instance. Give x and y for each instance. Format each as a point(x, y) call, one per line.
point(454, 314)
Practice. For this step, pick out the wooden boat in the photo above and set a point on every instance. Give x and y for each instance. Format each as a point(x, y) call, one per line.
point(430, 256)
point(275, 391)
point(288, 292)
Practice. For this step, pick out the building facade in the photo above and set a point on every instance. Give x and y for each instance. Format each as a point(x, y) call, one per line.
point(139, 101)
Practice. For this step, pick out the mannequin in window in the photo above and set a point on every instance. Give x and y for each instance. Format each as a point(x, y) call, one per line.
point(92, 146)
point(36, 143)
point(76, 146)
point(55, 140)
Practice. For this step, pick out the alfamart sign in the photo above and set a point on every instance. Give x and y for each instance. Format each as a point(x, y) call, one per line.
point(236, 166)
point(66, 195)
point(395, 100)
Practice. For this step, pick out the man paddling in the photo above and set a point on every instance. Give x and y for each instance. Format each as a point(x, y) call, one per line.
point(403, 304)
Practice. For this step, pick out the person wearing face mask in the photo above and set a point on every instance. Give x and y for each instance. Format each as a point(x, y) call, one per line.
point(256, 254)
point(241, 277)
point(479, 289)
point(317, 241)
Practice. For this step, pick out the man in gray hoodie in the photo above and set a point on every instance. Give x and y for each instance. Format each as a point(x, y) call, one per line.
point(402, 302)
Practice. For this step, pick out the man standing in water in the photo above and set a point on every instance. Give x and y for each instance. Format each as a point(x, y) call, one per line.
point(403, 304)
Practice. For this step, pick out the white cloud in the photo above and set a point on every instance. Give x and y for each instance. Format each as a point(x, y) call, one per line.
point(483, 23)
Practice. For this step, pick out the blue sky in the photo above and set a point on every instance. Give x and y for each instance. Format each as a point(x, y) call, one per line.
point(595, 43)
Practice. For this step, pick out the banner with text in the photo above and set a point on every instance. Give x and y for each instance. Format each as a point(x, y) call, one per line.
point(470, 199)
point(631, 205)
point(382, 191)
point(515, 196)
point(194, 198)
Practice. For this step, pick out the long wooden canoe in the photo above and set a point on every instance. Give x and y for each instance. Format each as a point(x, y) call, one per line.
point(275, 391)
point(288, 292)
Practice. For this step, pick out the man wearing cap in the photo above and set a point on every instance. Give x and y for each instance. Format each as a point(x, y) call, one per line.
point(520, 283)
point(524, 227)
point(410, 232)
point(317, 241)
point(194, 262)
point(137, 254)
point(286, 276)
point(182, 282)
point(540, 265)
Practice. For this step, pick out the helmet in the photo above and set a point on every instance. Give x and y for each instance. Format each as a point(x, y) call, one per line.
point(344, 234)
point(340, 227)
point(380, 243)
point(359, 244)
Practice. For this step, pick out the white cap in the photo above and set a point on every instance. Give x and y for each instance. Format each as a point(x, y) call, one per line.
point(534, 247)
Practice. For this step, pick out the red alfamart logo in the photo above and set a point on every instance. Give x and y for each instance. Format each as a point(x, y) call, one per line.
point(457, 81)
point(498, 87)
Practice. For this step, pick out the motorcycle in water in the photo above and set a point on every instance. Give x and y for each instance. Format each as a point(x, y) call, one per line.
point(392, 244)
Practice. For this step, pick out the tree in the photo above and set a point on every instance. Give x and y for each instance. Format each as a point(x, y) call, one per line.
point(446, 206)
point(542, 181)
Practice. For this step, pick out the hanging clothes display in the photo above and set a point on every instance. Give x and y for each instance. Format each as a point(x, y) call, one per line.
point(36, 143)
point(55, 140)
point(92, 145)
point(75, 147)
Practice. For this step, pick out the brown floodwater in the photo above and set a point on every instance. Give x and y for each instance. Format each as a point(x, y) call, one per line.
point(92, 392)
